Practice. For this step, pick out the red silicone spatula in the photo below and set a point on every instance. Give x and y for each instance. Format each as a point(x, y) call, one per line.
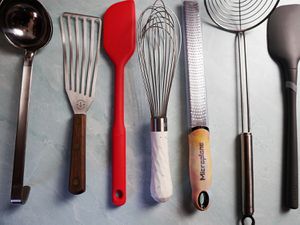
point(119, 42)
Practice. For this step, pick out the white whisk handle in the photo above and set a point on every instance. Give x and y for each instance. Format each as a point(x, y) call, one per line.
point(161, 182)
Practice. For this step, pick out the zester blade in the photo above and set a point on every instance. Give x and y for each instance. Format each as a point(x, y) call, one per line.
point(194, 65)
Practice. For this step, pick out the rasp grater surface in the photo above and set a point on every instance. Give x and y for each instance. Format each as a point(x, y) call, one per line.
point(195, 65)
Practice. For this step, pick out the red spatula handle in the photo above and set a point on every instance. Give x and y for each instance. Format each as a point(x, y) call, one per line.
point(119, 141)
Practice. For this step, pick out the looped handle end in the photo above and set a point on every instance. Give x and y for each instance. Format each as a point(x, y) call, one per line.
point(203, 201)
point(248, 217)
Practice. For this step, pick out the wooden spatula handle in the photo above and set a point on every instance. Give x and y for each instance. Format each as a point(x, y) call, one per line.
point(77, 165)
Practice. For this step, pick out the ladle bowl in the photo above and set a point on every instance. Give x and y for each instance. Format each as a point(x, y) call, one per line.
point(26, 25)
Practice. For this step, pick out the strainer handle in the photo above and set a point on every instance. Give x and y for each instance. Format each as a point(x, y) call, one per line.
point(247, 174)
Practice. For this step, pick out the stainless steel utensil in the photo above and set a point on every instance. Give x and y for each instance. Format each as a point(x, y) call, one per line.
point(238, 16)
point(199, 144)
point(81, 35)
point(159, 43)
point(26, 25)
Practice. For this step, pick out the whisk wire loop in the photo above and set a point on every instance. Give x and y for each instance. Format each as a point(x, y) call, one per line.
point(159, 43)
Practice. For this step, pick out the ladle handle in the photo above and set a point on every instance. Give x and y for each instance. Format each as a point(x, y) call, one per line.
point(291, 140)
point(19, 193)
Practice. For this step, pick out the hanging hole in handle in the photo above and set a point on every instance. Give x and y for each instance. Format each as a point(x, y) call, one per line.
point(119, 194)
point(203, 200)
point(248, 220)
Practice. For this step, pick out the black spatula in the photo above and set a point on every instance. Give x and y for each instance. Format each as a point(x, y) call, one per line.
point(284, 47)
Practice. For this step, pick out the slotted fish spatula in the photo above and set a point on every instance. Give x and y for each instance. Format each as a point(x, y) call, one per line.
point(119, 28)
point(81, 46)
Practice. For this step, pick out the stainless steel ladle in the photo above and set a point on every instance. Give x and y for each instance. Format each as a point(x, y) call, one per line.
point(26, 25)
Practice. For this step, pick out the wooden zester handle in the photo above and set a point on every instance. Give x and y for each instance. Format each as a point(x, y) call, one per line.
point(200, 167)
point(77, 166)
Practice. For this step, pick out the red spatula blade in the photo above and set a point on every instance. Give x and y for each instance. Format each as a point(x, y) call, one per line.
point(119, 29)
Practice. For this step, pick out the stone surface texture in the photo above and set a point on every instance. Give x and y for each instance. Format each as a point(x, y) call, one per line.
point(50, 123)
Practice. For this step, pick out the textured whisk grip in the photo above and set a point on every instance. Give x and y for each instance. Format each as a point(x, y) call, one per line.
point(161, 182)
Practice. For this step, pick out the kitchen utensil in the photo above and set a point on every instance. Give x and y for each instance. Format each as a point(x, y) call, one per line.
point(199, 144)
point(284, 47)
point(238, 17)
point(81, 35)
point(119, 43)
point(159, 42)
point(26, 25)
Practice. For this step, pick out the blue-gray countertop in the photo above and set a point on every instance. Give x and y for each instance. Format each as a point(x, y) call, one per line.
point(49, 134)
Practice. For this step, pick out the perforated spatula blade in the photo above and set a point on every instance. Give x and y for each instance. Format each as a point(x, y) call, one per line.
point(119, 28)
